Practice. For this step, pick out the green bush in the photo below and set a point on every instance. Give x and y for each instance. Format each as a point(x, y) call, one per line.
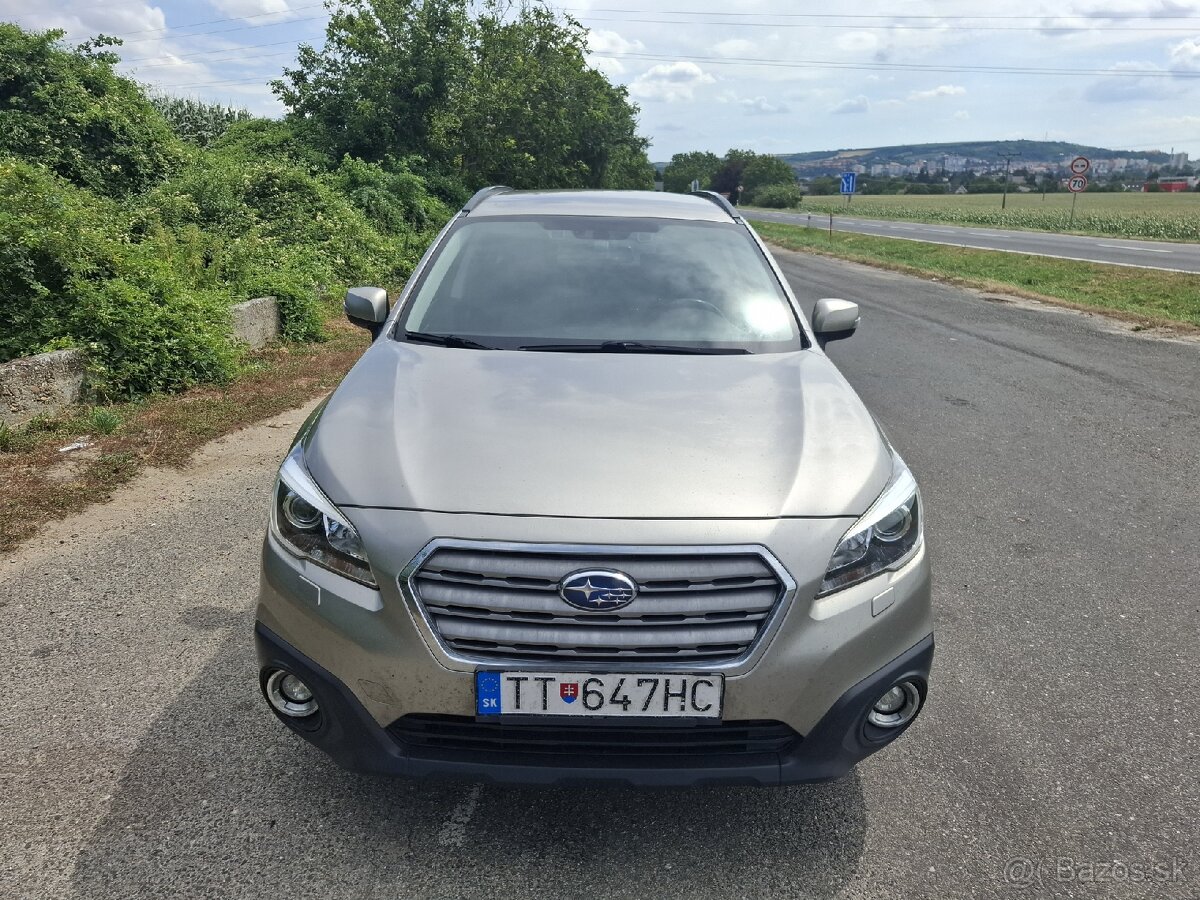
point(72, 113)
point(269, 227)
point(776, 196)
point(73, 276)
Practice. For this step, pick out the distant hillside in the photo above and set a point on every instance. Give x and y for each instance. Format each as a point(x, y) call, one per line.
point(908, 154)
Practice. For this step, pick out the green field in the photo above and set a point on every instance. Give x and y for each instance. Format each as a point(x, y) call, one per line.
point(1164, 217)
point(1145, 296)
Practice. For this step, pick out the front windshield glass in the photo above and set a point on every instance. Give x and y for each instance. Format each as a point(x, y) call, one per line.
point(560, 282)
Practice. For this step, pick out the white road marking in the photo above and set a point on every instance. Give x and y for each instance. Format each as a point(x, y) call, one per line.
point(1142, 249)
point(454, 829)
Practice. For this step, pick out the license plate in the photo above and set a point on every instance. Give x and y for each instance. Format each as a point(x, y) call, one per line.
point(583, 694)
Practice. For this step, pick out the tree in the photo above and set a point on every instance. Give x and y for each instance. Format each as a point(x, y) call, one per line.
point(501, 96)
point(729, 176)
point(684, 168)
point(764, 169)
point(382, 83)
point(531, 113)
point(71, 113)
point(750, 171)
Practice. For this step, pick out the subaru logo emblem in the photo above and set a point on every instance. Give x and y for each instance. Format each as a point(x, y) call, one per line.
point(598, 590)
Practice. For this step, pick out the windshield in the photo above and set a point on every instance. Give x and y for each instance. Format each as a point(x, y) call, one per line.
point(564, 283)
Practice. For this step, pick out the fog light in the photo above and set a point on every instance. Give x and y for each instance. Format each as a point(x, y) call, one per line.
point(896, 707)
point(290, 696)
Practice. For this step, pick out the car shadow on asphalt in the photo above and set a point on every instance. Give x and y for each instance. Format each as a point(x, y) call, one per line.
point(219, 799)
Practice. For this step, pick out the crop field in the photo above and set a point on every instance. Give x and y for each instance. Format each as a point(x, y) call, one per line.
point(1163, 217)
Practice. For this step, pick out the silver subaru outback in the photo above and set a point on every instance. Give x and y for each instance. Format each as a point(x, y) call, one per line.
point(596, 506)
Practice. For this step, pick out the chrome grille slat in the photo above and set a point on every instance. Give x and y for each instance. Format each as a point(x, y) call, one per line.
point(649, 654)
point(608, 620)
point(502, 603)
point(553, 566)
point(488, 597)
point(595, 635)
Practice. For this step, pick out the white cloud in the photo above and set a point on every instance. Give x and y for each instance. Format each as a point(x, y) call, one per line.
point(859, 104)
point(962, 114)
point(670, 82)
point(942, 90)
point(258, 8)
point(1185, 55)
point(601, 47)
point(84, 21)
point(609, 42)
point(735, 47)
point(858, 42)
point(1129, 88)
point(761, 106)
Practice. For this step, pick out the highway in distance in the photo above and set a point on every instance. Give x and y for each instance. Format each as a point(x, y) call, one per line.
point(1175, 257)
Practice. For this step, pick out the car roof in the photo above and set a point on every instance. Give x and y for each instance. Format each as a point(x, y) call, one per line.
point(629, 204)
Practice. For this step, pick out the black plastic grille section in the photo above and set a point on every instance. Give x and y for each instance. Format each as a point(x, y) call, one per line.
point(531, 743)
point(708, 606)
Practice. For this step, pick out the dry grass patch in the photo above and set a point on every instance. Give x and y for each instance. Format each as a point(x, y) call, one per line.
point(39, 483)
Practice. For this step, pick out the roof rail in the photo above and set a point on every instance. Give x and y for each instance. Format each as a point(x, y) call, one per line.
point(483, 194)
point(714, 197)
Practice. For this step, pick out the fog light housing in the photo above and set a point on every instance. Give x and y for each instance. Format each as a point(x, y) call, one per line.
point(289, 695)
point(896, 706)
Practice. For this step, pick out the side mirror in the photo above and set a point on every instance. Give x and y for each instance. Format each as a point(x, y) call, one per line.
point(833, 320)
point(368, 307)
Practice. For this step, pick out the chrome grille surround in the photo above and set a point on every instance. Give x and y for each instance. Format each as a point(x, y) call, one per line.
point(496, 604)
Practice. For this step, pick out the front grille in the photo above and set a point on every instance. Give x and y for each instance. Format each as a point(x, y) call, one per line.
point(436, 736)
point(707, 606)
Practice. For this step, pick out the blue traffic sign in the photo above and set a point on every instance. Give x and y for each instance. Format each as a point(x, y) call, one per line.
point(848, 180)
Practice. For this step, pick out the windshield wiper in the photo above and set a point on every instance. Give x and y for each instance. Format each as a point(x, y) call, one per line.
point(631, 347)
point(445, 340)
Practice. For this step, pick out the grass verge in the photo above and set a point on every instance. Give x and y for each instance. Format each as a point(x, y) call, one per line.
point(39, 483)
point(1145, 296)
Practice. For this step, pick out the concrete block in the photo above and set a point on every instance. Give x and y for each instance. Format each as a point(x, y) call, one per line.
point(256, 322)
point(34, 385)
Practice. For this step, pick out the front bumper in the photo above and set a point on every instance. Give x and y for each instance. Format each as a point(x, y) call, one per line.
point(366, 649)
point(349, 734)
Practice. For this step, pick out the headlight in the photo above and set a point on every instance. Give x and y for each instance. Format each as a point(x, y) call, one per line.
point(309, 525)
point(886, 536)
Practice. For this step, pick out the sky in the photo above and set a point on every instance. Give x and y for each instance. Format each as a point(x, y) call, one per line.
point(772, 76)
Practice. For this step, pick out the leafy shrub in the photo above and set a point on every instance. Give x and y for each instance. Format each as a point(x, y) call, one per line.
point(72, 113)
point(70, 272)
point(392, 195)
point(776, 196)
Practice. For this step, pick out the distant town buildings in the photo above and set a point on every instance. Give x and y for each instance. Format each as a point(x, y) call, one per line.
point(950, 165)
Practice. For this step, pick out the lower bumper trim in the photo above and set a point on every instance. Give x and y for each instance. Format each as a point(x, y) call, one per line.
point(763, 753)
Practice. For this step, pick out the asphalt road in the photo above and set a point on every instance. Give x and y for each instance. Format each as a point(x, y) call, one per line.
point(1177, 257)
point(1058, 755)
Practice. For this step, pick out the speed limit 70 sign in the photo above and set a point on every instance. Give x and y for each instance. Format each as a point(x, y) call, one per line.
point(1077, 183)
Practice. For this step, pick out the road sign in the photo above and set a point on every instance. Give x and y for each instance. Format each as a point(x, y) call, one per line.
point(1080, 165)
point(1077, 183)
point(848, 180)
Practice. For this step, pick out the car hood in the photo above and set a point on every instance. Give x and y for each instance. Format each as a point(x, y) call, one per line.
point(604, 435)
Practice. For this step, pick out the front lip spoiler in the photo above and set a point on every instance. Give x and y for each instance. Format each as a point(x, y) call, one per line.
point(349, 734)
